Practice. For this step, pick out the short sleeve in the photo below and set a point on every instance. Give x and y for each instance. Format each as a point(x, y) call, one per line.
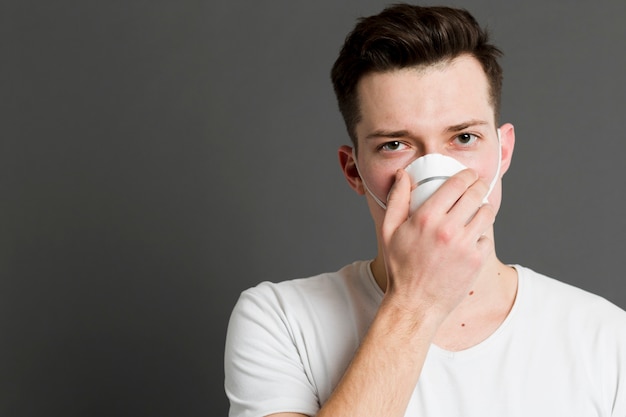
point(264, 372)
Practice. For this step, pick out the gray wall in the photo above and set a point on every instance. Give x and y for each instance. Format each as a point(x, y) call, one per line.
point(159, 157)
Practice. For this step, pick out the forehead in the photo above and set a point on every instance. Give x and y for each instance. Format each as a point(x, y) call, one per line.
point(442, 93)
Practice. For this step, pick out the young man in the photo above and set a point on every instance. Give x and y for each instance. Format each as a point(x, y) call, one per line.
point(435, 325)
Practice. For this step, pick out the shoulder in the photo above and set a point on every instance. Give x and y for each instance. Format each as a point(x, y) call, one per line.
point(307, 328)
point(579, 335)
point(284, 338)
point(321, 297)
point(325, 286)
point(569, 303)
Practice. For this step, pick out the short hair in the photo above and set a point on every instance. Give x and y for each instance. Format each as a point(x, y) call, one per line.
point(402, 36)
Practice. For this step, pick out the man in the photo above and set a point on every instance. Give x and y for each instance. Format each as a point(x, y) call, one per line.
point(435, 324)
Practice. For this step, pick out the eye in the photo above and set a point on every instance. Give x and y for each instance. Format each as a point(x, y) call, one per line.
point(466, 138)
point(394, 145)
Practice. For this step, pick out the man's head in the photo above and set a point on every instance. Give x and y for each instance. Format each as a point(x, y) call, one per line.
point(403, 36)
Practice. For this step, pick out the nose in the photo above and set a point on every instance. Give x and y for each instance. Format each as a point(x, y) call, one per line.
point(431, 145)
point(421, 150)
point(427, 148)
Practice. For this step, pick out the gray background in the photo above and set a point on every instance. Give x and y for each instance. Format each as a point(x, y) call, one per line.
point(158, 157)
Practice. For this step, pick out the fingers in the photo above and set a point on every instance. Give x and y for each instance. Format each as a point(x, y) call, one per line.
point(480, 223)
point(397, 203)
point(470, 201)
point(464, 188)
point(460, 202)
point(457, 207)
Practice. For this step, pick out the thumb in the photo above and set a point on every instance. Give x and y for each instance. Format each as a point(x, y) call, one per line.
point(397, 204)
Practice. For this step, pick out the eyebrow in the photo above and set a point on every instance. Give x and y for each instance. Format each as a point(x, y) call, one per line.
point(395, 134)
point(465, 125)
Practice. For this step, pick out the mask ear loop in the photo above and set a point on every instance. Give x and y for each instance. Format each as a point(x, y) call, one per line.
point(376, 199)
point(495, 178)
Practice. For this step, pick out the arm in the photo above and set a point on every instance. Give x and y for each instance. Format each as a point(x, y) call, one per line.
point(431, 261)
point(432, 258)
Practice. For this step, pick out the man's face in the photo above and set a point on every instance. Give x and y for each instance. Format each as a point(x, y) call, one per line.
point(407, 113)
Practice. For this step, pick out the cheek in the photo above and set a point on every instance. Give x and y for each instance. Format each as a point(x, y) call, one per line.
point(379, 178)
point(381, 184)
point(486, 166)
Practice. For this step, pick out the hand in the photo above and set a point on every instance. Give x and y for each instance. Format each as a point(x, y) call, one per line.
point(433, 257)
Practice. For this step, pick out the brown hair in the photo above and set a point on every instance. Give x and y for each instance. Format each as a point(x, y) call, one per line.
point(403, 36)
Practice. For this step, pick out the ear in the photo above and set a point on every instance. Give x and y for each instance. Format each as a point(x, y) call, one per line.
point(349, 169)
point(507, 142)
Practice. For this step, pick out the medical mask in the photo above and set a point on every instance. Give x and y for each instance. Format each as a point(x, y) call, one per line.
point(429, 172)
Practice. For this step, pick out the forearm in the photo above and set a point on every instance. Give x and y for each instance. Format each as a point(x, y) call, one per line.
point(386, 368)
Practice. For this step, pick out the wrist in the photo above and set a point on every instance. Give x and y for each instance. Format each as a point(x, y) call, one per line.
point(421, 322)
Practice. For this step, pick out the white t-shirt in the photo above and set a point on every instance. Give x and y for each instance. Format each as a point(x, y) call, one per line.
point(560, 352)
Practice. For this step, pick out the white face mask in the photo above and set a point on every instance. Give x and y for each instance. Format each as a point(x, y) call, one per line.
point(428, 173)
